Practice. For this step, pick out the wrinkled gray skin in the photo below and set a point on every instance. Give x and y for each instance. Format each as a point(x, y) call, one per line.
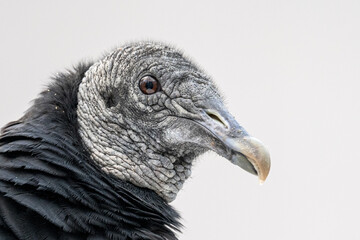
point(149, 140)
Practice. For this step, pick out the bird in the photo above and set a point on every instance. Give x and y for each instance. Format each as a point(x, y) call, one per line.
point(105, 148)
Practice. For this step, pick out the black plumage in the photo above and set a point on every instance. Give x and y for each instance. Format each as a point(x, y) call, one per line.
point(49, 189)
point(107, 146)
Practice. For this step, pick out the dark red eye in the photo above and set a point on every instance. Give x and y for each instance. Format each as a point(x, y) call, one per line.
point(149, 85)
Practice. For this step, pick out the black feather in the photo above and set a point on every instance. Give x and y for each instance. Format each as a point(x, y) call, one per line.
point(49, 188)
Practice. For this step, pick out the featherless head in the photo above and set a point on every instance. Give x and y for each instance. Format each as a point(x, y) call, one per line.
point(145, 112)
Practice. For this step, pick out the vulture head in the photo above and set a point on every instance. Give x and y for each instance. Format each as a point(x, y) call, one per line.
point(145, 112)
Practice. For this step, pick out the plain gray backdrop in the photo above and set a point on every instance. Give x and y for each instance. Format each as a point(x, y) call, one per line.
point(289, 71)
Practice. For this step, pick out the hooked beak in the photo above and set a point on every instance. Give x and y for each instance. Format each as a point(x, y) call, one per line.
point(241, 149)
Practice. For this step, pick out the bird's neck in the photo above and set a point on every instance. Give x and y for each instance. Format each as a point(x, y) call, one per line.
point(49, 133)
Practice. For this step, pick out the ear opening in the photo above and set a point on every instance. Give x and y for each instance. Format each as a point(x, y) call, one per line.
point(109, 99)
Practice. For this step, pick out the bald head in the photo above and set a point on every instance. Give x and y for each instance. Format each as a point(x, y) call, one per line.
point(145, 112)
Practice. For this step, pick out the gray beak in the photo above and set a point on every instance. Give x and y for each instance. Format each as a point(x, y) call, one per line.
point(241, 149)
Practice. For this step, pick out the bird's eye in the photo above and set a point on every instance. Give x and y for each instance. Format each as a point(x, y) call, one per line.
point(149, 85)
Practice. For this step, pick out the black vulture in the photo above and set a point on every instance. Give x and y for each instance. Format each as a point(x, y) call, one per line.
point(107, 146)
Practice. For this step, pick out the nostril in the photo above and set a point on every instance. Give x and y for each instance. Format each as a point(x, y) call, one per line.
point(216, 118)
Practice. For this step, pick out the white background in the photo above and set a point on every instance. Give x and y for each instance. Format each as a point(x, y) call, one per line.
point(289, 71)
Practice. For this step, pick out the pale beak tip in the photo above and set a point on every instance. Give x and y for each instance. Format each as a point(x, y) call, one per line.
point(259, 156)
